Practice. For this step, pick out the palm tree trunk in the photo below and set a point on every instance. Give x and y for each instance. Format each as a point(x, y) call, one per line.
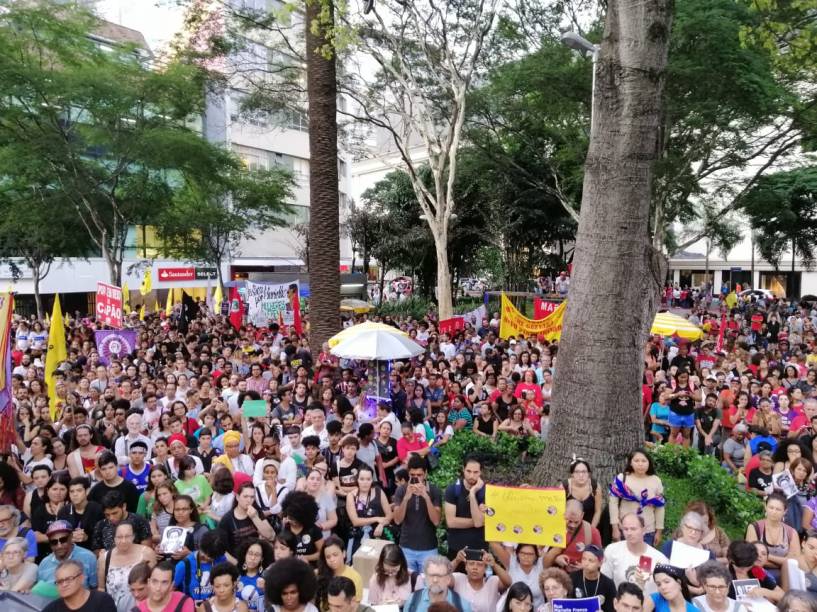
point(616, 271)
point(324, 231)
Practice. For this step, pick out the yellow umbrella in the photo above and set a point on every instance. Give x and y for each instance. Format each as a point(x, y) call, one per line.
point(356, 306)
point(668, 324)
point(354, 330)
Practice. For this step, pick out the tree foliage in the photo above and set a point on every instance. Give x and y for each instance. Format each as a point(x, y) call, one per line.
point(782, 208)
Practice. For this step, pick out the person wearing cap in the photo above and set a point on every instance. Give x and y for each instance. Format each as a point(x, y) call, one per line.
point(233, 459)
point(672, 594)
point(590, 582)
point(63, 548)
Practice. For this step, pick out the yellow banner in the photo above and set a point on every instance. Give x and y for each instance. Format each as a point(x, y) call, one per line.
point(525, 516)
point(513, 323)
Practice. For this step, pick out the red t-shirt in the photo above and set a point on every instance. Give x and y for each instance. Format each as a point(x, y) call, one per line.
point(577, 545)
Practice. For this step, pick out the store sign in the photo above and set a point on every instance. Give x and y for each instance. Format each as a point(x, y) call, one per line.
point(172, 275)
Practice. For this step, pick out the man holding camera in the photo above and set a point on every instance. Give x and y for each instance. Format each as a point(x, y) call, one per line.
point(418, 512)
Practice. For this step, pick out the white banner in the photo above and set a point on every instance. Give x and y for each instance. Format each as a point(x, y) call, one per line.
point(475, 316)
point(268, 303)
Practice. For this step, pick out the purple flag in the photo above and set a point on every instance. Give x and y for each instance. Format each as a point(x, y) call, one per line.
point(117, 344)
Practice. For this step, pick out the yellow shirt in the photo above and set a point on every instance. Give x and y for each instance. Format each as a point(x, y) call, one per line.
point(353, 575)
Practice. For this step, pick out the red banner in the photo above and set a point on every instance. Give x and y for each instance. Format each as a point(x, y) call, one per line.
point(109, 305)
point(543, 309)
point(452, 325)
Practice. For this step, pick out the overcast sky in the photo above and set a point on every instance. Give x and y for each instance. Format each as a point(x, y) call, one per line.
point(158, 20)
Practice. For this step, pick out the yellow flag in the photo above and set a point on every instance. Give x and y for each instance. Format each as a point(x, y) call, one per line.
point(55, 356)
point(147, 281)
point(142, 313)
point(125, 299)
point(169, 305)
point(218, 298)
point(156, 305)
point(513, 323)
point(731, 300)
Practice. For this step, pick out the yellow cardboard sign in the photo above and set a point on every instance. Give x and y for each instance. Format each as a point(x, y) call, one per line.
point(525, 515)
point(514, 323)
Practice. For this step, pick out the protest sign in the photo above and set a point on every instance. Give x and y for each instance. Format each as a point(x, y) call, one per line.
point(525, 515)
point(109, 304)
point(452, 325)
point(585, 604)
point(474, 317)
point(686, 556)
point(514, 323)
point(543, 308)
point(114, 344)
point(254, 408)
point(271, 303)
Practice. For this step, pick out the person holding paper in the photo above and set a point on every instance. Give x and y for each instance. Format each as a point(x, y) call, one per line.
point(742, 556)
point(693, 529)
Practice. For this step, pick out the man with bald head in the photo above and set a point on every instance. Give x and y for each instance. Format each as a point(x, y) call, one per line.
point(579, 534)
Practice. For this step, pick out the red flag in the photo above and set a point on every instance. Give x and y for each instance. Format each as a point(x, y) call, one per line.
point(295, 304)
point(719, 343)
point(236, 308)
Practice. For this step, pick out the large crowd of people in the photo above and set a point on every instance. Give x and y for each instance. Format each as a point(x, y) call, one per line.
point(150, 488)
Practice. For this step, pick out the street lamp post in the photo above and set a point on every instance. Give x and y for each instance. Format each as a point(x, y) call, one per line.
point(577, 42)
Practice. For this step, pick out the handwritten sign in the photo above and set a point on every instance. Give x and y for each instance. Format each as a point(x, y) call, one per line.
point(525, 515)
point(270, 303)
point(514, 323)
point(109, 304)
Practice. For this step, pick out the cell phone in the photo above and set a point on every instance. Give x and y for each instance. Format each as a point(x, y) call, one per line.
point(473, 554)
point(414, 480)
point(645, 563)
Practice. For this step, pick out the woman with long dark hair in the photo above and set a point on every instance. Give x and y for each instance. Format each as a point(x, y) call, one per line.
point(331, 564)
point(391, 582)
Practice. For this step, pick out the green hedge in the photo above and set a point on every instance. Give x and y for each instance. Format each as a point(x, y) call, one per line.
point(688, 476)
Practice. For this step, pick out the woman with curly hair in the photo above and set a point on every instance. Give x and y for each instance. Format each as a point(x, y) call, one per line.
point(290, 586)
point(300, 510)
point(252, 557)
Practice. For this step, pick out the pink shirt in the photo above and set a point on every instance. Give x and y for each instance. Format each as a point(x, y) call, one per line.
point(189, 605)
point(389, 593)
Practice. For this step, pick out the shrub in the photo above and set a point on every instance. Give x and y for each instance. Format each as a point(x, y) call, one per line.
point(688, 475)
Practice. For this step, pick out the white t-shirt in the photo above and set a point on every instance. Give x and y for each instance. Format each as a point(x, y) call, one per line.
point(620, 564)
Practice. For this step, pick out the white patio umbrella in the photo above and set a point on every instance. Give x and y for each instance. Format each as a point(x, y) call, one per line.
point(377, 344)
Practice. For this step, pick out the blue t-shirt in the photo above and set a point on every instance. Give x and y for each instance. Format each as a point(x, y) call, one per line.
point(662, 605)
point(140, 481)
point(47, 570)
point(29, 537)
point(194, 580)
point(662, 414)
point(248, 591)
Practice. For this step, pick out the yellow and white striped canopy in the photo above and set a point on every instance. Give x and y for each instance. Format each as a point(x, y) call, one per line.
point(349, 332)
point(668, 324)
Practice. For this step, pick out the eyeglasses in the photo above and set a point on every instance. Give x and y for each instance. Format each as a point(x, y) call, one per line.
point(6, 520)
point(58, 541)
point(67, 579)
point(436, 576)
point(716, 587)
point(12, 553)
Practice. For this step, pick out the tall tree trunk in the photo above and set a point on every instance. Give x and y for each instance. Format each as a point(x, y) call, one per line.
point(445, 304)
point(324, 231)
point(617, 273)
point(38, 300)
